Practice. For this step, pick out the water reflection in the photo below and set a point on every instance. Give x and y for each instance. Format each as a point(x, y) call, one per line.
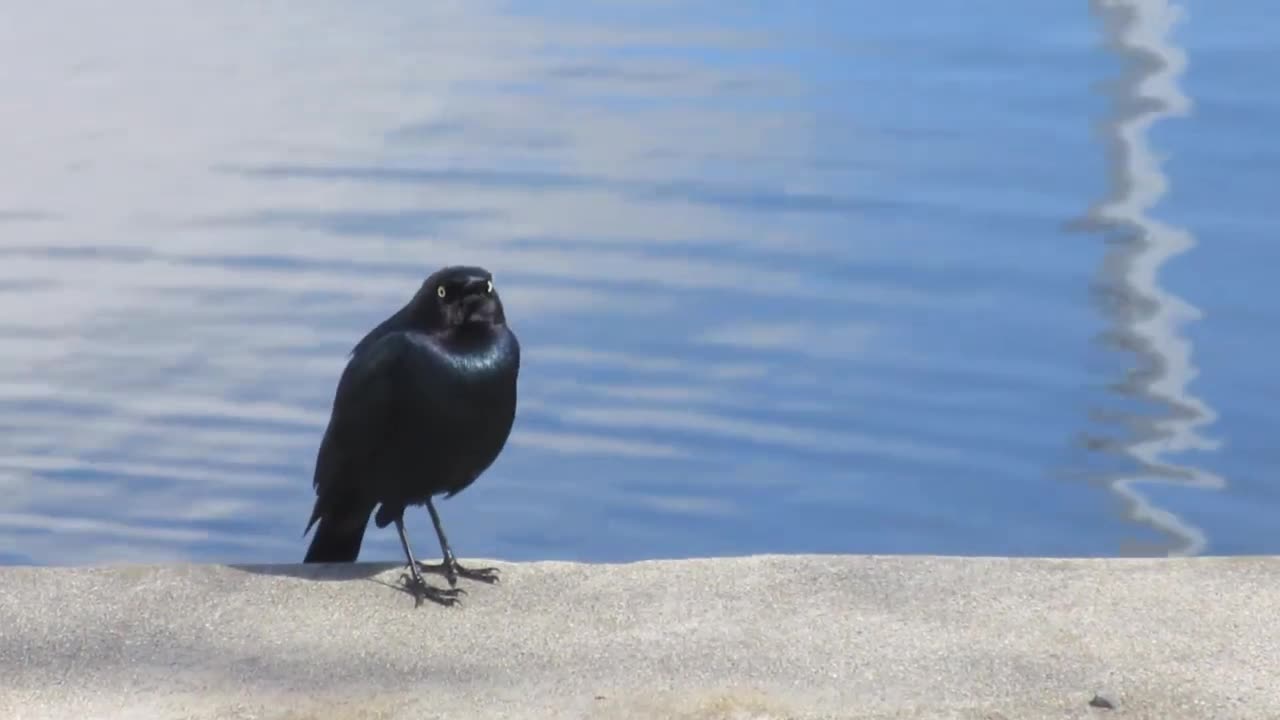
point(1147, 319)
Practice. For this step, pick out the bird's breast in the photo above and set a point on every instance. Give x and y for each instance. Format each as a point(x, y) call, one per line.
point(471, 388)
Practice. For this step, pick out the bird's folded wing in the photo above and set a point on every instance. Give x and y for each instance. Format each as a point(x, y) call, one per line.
point(362, 406)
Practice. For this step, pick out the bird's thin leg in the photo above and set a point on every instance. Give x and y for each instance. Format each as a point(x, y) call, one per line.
point(413, 579)
point(448, 564)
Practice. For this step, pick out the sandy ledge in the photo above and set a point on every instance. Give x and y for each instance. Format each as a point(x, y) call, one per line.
point(755, 637)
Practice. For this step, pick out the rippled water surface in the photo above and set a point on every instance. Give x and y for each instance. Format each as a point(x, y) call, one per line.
point(984, 277)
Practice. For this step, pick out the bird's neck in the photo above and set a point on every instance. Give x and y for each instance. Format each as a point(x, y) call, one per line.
point(477, 341)
point(479, 354)
point(473, 337)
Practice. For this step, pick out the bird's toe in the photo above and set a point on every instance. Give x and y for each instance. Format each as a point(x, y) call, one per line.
point(487, 574)
point(418, 587)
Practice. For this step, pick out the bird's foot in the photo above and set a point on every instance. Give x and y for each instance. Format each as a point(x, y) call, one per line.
point(418, 587)
point(452, 570)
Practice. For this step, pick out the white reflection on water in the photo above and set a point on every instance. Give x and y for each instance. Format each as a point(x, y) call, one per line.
point(771, 300)
point(1149, 318)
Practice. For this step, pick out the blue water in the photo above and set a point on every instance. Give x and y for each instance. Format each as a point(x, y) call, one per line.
point(929, 277)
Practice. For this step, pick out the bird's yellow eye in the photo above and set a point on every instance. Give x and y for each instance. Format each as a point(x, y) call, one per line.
point(440, 291)
point(489, 287)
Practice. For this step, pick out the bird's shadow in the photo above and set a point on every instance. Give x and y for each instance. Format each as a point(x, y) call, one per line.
point(331, 572)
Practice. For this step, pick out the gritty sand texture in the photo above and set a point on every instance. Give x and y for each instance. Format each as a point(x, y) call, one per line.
point(756, 637)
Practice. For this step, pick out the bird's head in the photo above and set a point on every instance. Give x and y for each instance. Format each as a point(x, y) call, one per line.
point(460, 296)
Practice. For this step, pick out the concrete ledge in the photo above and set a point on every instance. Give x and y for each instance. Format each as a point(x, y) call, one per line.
point(757, 637)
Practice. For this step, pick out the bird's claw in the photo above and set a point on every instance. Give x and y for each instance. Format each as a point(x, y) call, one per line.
point(418, 587)
point(487, 574)
point(452, 570)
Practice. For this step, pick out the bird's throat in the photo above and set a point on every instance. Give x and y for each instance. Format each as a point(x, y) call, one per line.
point(479, 347)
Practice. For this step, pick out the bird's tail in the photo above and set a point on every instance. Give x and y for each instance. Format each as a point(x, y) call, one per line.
point(337, 538)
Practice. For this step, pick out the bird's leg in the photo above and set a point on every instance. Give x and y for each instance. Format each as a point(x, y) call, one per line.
point(413, 579)
point(448, 564)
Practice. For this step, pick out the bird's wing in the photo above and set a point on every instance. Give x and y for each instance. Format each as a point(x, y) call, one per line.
point(363, 408)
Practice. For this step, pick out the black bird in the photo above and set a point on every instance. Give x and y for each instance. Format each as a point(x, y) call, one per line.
point(424, 406)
